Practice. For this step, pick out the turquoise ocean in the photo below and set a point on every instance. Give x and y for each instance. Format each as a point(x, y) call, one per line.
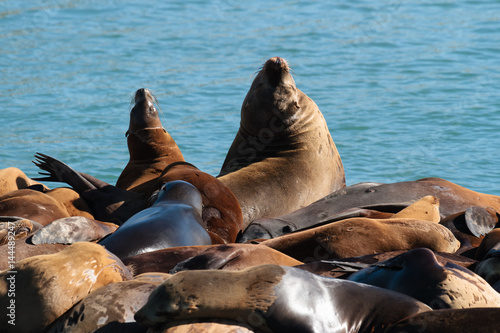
point(409, 89)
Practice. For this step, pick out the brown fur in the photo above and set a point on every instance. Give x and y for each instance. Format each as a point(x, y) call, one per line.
point(363, 236)
point(74, 204)
point(491, 240)
point(206, 326)
point(33, 205)
point(221, 210)
point(48, 285)
point(283, 157)
point(185, 296)
point(150, 146)
point(12, 179)
point(225, 257)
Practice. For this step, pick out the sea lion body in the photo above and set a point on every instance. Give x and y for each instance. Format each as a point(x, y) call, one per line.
point(221, 210)
point(109, 308)
point(225, 257)
point(452, 198)
point(173, 220)
point(46, 286)
point(13, 179)
point(363, 236)
point(283, 157)
point(272, 298)
point(417, 273)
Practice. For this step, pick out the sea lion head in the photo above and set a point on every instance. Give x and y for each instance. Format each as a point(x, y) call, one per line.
point(144, 114)
point(272, 101)
point(180, 191)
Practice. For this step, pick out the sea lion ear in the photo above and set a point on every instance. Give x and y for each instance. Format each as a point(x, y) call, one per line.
point(164, 130)
point(126, 134)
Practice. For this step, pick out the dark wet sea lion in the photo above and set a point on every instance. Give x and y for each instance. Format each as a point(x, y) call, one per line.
point(362, 236)
point(46, 286)
point(418, 274)
point(477, 320)
point(227, 257)
point(110, 308)
point(452, 198)
point(271, 298)
point(150, 146)
point(221, 210)
point(12, 179)
point(174, 219)
point(489, 244)
point(283, 157)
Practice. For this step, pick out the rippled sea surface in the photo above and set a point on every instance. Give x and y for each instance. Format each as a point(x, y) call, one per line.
point(408, 89)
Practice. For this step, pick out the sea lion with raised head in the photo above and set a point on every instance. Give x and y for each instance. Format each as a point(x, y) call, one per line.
point(283, 156)
point(174, 219)
point(272, 298)
point(12, 179)
point(150, 146)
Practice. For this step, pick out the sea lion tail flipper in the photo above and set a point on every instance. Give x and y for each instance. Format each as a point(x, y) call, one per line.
point(58, 171)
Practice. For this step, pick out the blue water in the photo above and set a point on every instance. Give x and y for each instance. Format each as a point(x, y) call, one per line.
point(408, 89)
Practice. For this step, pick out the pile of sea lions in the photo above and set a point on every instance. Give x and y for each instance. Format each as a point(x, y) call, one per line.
point(275, 243)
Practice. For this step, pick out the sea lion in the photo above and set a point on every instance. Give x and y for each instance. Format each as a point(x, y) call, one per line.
point(489, 244)
point(221, 210)
point(107, 202)
point(150, 146)
point(363, 236)
point(14, 227)
point(174, 219)
point(283, 156)
point(46, 286)
point(418, 274)
point(23, 248)
point(452, 198)
point(69, 230)
point(273, 298)
point(344, 267)
point(477, 320)
point(426, 209)
point(110, 308)
point(33, 205)
point(13, 179)
point(227, 257)
point(202, 326)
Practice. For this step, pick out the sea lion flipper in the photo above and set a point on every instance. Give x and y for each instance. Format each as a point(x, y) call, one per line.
point(480, 220)
point(61, 172)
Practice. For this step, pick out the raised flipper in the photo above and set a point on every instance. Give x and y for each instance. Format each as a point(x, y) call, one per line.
point(57, 171)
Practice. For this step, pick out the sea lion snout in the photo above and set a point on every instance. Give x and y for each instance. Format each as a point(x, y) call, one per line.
point(142, 94)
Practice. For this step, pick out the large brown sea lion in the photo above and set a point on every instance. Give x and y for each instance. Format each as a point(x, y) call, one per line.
point(418, 274)
point(150, 146)
point(227, 256)
point(452, 198)
point(12, 179)
point(174, 219)
point(363, 236)
point(42, 288)
point(273, 298)
point(283, 157)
